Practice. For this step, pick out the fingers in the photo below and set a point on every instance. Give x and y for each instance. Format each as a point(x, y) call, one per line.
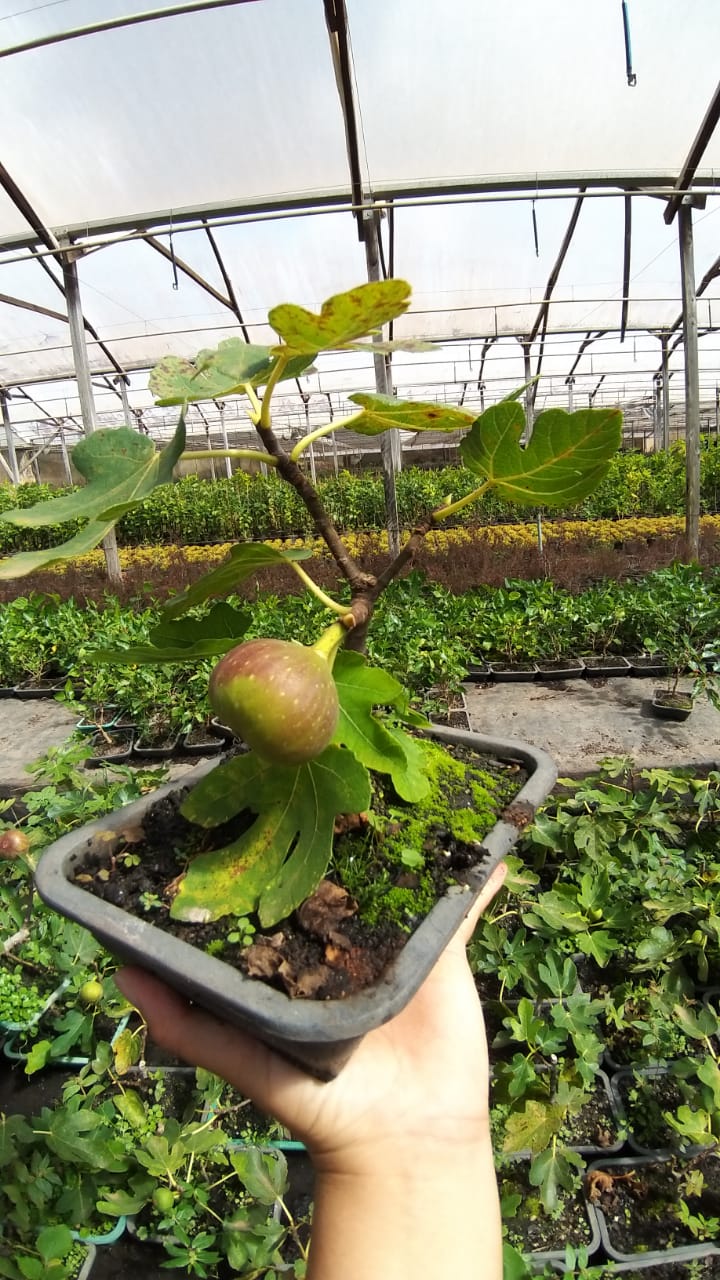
point(199, 1038)
point(493, 887)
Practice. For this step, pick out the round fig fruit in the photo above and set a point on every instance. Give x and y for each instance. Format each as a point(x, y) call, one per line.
point(13, 843)
point(91, 992)
point(279, 697)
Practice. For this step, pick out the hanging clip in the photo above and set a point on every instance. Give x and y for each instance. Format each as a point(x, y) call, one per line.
point(176, 282)
point(631, 77)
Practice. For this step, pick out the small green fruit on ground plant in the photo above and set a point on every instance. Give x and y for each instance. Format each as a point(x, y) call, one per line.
point(319, 717)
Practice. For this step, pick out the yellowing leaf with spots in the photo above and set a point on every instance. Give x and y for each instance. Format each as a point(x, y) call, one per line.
point(343, 318)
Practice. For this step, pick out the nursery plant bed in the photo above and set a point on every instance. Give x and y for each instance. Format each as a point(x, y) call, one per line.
point(658, 1091)
point(636, 1201)
point(320, 1034)
point(542, 1236)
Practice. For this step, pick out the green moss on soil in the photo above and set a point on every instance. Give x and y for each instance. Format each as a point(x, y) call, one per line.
point(462, 805)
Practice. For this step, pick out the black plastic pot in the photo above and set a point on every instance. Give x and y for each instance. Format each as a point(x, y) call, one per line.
point(560, 669)
point(478, 673)
point(512, 672)
point(320, 1035)
point(160, 750)
point(609, 665)
point(671, 706)
point(626, 1079)
point(646, 664)
point(28, 689)
point(201, 743)
point(681, 1253)
point(110, 746)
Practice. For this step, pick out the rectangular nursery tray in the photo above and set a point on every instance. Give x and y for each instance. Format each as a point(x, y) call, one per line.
point(320, 1035)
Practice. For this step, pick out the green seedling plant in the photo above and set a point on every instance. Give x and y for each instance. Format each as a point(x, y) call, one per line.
point(342, 716)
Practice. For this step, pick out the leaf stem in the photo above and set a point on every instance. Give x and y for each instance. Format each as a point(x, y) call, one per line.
point(329, 427)
point(255, 403)
point(276, 374)
point(256, 455)
point(317, 591)
point(442, 513)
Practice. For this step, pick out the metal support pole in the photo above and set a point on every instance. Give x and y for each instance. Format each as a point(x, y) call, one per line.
point(692, 381)
point(529, 391)
point(85, 391)
point(64, 452)
point(390, 440)
point(570, 383)
point(665, 395)
point(121, 385)
point(657, 413)
point(208, 445)
point(9, 439)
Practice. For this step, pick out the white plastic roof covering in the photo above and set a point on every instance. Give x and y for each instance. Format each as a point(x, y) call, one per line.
point(235, 112)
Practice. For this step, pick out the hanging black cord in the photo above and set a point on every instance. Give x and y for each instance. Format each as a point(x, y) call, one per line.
point(535, 231)
point(176, 282)
point(631, 77)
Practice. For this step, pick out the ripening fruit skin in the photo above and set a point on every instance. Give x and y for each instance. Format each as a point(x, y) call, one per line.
point(163, 1199)
point(279, 697)
point(13, 843)
point(91, 992)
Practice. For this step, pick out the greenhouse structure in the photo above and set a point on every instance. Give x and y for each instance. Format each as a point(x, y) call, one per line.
point(486, 235)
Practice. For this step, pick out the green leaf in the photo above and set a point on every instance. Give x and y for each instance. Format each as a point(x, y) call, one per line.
point(598, 944)
point(382, 413)
point(216, 373)
point(658, 944)
point(566, 457)
point(193, 638)
point(709, 1074)
point(533, 1128)
point(119, 1202)
point(560, 979)
point(296, 808)
point(38, 1057)
point(263, 1174)
point(377, 744)
point(121, 468)
point(54, 1242)
point(343, 318)
point(552, 1170)
point(244, 559)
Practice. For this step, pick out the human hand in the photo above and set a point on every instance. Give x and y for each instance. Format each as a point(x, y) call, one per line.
point(421, 1079)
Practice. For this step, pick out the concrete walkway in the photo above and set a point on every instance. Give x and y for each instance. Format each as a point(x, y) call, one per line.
point(580, 721)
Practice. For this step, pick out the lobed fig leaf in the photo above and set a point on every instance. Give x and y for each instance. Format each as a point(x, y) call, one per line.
point(377, 743)
point(214, 374)
point(283, 856)
point(186, 641)
point(565, 459)
point(277, 696)
point(343, 318)
point(121, 468)
point(383, 413)
point(244, 559)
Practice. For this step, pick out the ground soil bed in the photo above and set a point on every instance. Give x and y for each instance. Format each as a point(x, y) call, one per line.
point(342, 939)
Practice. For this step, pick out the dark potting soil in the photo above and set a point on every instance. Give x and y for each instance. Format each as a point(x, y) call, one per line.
point(531, 1230)
point(704, 1268)
point(645, 1100)
point(325, 950)
point(640, 1201)
point(595, 1124)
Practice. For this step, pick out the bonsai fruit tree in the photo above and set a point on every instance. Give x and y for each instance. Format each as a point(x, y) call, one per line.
point(316, 718)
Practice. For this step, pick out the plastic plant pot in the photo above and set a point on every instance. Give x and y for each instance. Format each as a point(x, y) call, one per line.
point(679, 1253)
point(108, 1238)
point(31, 689)
point(319, 1035)
point(10, 1028)
point(104, 718)
point(627, 1077)
point(561, 669)
point(150, 750)
point(646, 664)
point(78, 1060)
point(512, 672)
point(539, 1258)
point(201, 742)
point(110, 746)
point(667, 705)
point(606, 665)
point(222, 731)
